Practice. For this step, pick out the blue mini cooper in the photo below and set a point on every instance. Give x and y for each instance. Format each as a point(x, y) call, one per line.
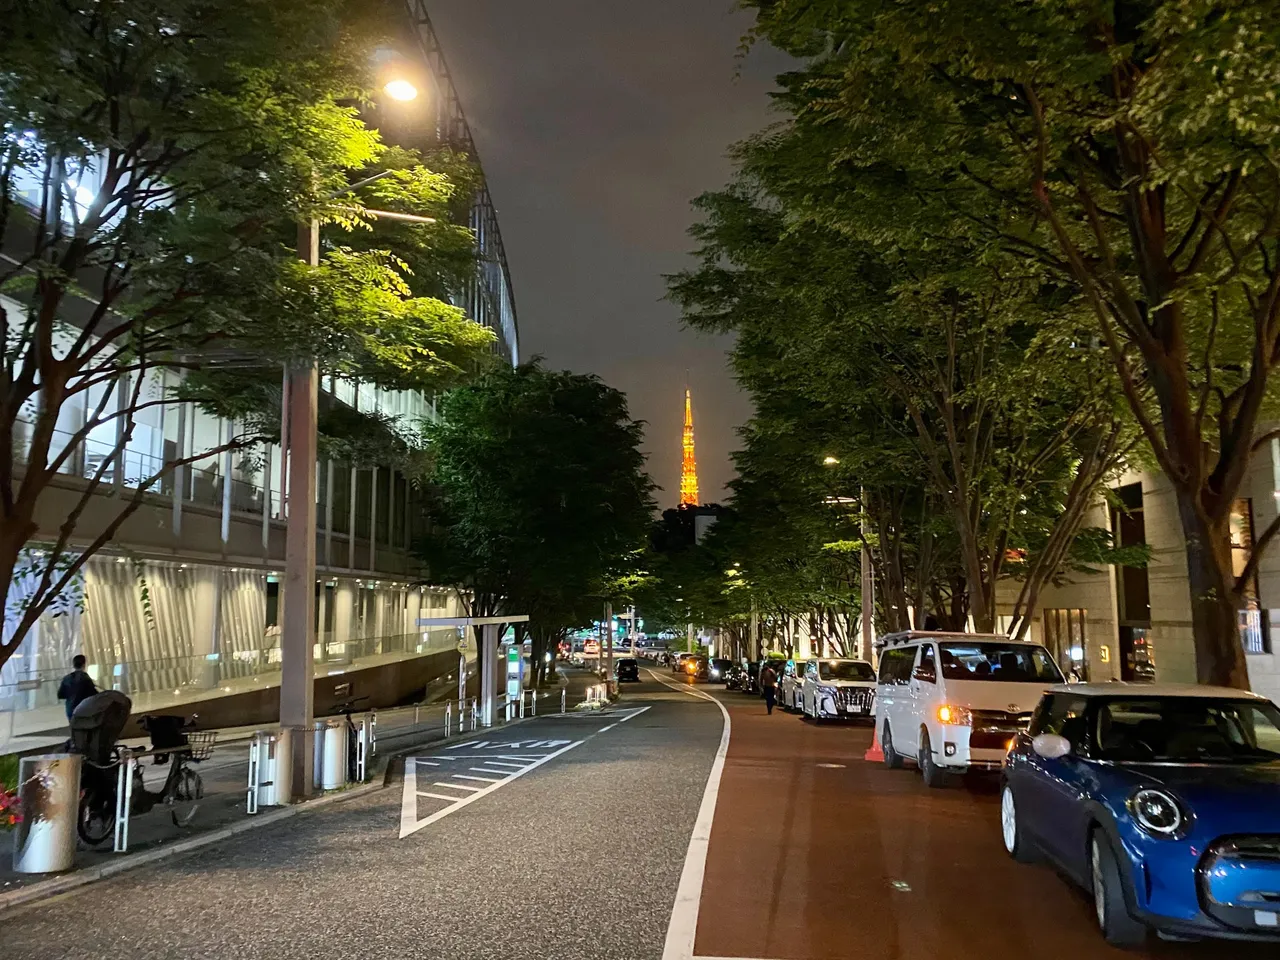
point(1161, 800)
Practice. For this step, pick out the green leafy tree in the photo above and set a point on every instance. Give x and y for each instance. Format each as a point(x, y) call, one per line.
point(976, 367)
point(539, 499)
point(1131, 148)
point(154, 160)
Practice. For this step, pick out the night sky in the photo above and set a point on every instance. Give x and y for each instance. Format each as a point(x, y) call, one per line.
point(597, 122)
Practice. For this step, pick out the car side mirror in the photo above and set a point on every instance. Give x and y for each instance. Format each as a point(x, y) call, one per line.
point(1051, 746)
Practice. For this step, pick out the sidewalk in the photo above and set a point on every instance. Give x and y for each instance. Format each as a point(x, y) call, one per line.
point(222, 811)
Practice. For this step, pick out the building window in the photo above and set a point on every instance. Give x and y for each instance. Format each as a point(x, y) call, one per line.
point(1253, 631)
point(1065, 637)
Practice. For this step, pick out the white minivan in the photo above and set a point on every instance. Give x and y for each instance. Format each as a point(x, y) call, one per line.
point(953, 702)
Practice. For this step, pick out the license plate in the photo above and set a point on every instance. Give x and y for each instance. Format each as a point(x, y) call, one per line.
point(854, 708)
point(1265, 918)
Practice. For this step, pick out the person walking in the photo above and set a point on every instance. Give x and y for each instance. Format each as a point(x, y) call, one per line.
point(76, 685)
point(769, 687)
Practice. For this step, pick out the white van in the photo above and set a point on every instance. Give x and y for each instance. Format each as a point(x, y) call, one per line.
point(954, 701)
point(838, 688)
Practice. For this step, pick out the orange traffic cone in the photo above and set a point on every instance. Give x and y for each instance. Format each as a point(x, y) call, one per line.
point(875, 754)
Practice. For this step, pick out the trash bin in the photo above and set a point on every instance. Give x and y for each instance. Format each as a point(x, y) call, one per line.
point(49, 793)
point(335, 755)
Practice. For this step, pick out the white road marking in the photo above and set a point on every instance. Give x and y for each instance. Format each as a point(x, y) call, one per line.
point(490, 770)
point(457, 786)
point(463, 776)
point(684, 913)
point(409, 822)
point(438, 796)
point(503, 763)
point(633, 713)
point(609, 727)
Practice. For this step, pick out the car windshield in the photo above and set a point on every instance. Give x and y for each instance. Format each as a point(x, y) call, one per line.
point(845, 670)
point(998, 662)
point(1188, 730)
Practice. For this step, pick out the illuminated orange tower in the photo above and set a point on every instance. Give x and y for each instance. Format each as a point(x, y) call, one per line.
point(689, 466)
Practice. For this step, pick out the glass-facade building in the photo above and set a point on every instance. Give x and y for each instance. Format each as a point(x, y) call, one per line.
point(186, 602)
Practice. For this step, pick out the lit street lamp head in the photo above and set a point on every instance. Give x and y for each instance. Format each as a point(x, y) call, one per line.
point(400, 89)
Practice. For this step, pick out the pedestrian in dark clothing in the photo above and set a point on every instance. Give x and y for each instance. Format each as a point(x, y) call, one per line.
point(76, 686)
point(769, 687)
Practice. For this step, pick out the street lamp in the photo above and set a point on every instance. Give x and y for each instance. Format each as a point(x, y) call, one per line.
point(400, 89)
point(299, 407)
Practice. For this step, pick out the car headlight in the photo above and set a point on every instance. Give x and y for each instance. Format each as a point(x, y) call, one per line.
point(1159, 813)
point(955, 716)
point(715, 673)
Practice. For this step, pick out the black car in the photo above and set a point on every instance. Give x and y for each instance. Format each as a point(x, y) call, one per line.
point(720, 668)
point(750, 678)
point(627, 669)
point(735, 676)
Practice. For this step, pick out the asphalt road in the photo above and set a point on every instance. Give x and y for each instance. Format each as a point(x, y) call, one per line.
point(577, 858)
point(850, 859)
point(568, 838)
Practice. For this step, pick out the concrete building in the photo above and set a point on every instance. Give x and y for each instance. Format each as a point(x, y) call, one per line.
point(1133, 624)
point(185, 603)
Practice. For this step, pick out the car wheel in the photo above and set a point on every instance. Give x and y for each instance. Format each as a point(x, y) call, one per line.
point(934, 775)
point(892, 760)
point(1015, 841)
point(1117, 927)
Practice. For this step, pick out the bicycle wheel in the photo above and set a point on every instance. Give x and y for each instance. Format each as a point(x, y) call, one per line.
point(184, 797)
point(95, 821)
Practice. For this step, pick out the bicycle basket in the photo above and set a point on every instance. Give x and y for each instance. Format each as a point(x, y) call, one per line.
point(200, 744)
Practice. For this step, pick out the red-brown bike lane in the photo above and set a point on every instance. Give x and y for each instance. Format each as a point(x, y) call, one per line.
point(816, 854)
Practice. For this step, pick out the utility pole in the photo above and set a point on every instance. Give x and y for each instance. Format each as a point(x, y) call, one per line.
point(297, 710)
point(754, 653)
point(633, 631)
point(606, 658)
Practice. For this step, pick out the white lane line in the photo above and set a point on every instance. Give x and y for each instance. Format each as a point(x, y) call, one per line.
point(633, 713)
point(503, 763)
point(609, 727)
point(456, 786)
point(683, 927)
point(438, 796)
point(409, 822)
point(489, 770)
point(464, 776)
point(428, 763)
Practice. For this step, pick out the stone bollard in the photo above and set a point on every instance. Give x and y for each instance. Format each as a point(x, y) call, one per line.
point(49, 793)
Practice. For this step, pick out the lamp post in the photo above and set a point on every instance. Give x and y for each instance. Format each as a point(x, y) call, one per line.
point(299, 411)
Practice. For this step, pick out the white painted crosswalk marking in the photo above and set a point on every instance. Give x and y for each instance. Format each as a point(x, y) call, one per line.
point(410, 822)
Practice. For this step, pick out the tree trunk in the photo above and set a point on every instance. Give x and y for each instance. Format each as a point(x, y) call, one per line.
point(1214, 604)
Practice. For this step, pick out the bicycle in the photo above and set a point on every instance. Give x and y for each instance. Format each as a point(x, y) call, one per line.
point(173, 741)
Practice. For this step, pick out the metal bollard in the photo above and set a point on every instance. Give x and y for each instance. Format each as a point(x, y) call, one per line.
point(521, 704)
point(475, 714)
point(364, 744)
point(564, 696)
point(448, 719)
point(373, 733)
point(124, 802)
point(255, 775)
point(417, 713)
point(533, 701)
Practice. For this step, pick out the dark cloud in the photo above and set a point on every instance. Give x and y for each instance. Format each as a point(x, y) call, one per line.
point(597, 122)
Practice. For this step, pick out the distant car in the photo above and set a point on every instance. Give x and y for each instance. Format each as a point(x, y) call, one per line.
point(789, 683)
point(719, 669)
point(751, 677)
point(735, 676)
point(677, 664)
point(626, 669)
point(1159, 799)
point(699, 668)
point(838, 689)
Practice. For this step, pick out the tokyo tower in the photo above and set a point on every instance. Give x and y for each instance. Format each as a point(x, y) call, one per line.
point(689, 466)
